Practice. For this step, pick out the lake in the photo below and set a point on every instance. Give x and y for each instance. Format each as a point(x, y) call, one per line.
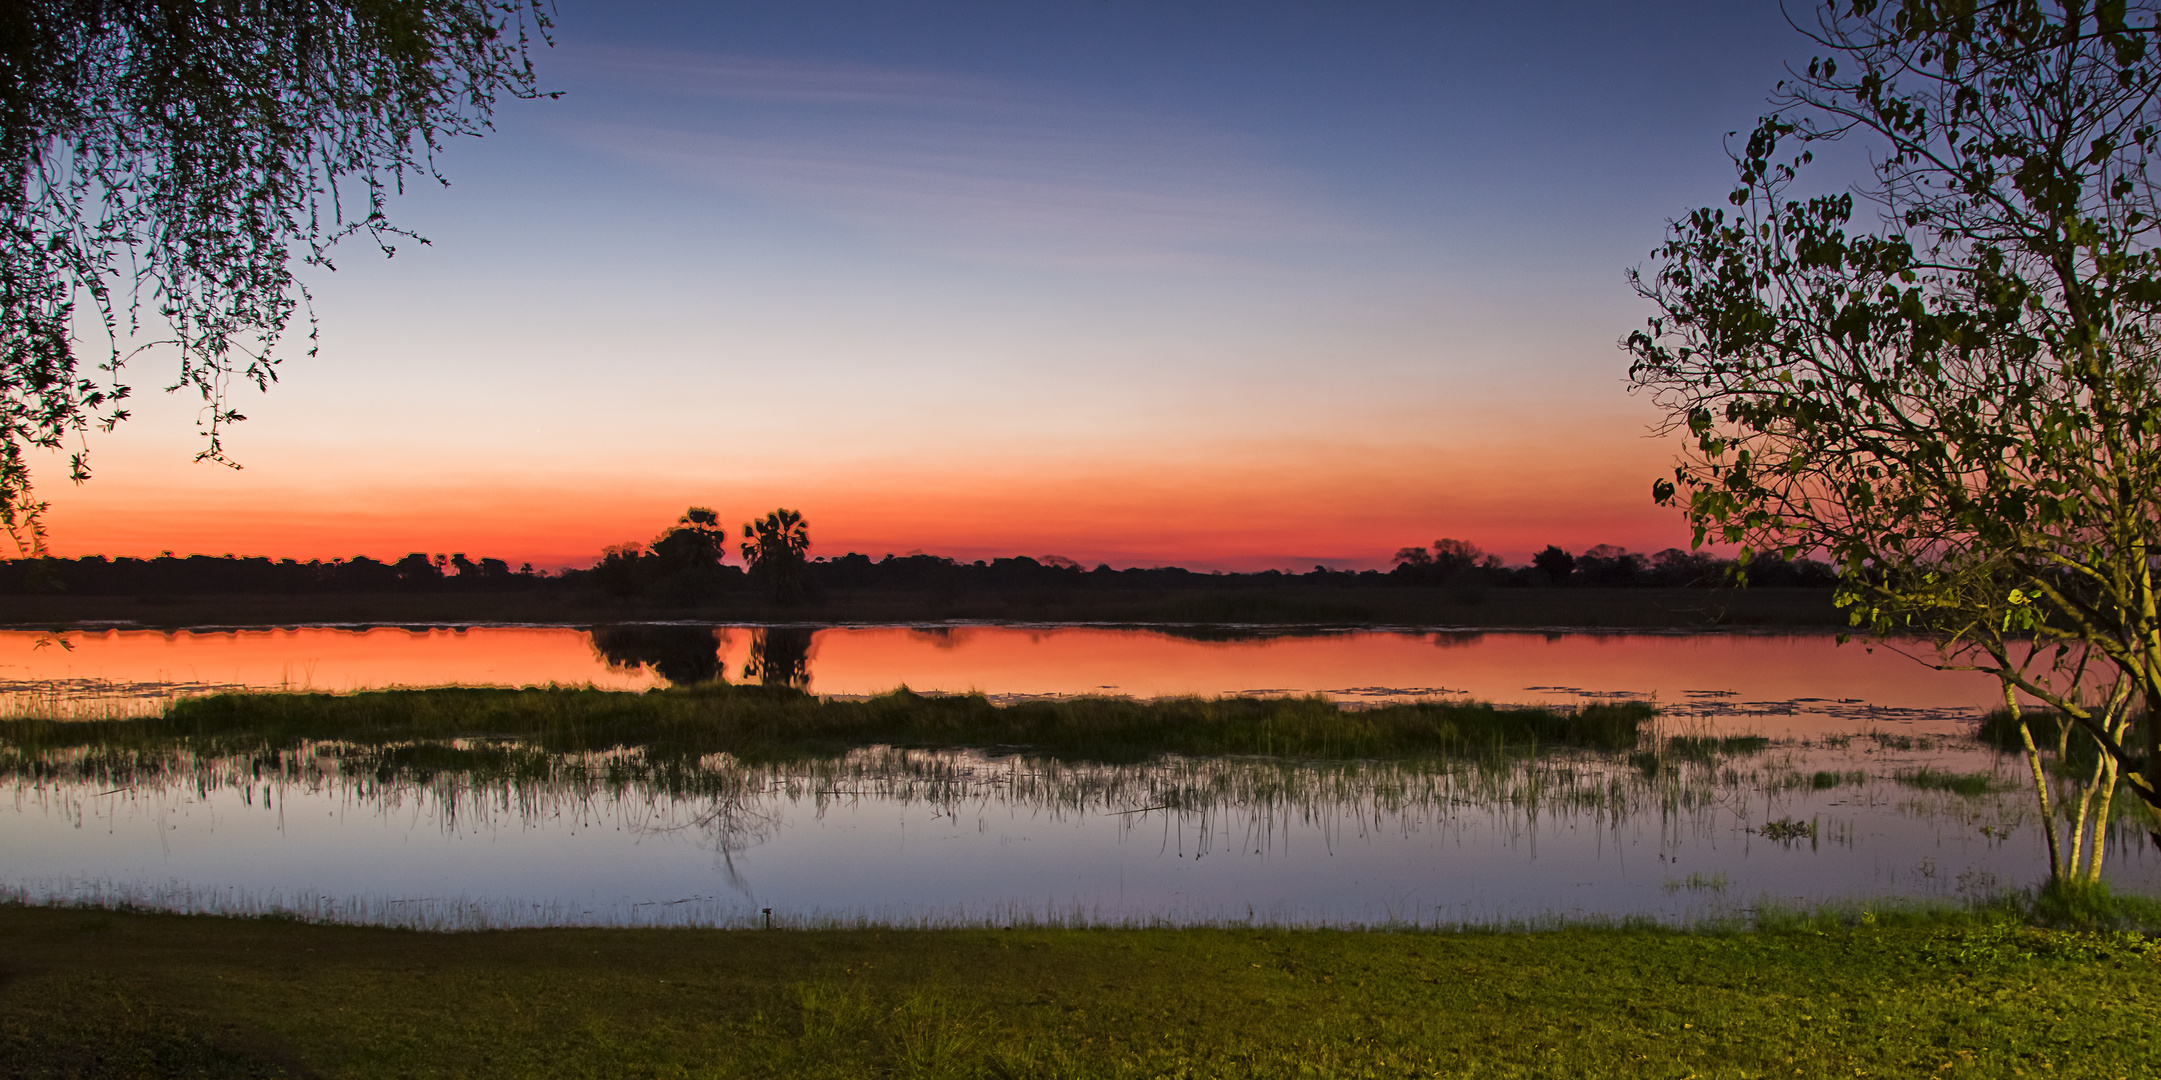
point(1772, 684)
point(1839, 805)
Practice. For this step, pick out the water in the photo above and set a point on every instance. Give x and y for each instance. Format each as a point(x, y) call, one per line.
point(1763, 683)
point(960, 837)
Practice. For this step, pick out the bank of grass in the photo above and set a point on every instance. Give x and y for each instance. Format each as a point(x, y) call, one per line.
point(95, 993)
point(755, 722)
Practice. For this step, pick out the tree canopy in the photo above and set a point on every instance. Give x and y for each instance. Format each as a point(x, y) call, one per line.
point(178, 154)
point(1944, 377)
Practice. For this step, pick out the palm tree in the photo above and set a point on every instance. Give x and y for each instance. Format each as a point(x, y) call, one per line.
point(776, 547)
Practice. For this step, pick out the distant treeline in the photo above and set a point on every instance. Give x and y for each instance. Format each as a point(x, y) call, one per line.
point(690, 563)
point(1458, 562)
point(198, 575)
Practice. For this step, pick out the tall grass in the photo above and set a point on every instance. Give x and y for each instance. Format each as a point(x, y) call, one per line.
point(1999, 729)
point(755, 722)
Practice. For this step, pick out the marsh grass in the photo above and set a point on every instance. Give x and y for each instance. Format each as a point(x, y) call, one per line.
point(738, 803)
point(1827, 779)
point(1709, 747)
point(1968, 784)
point(761, 723)
point(2000, 731)
point(1699, 882)
point(731, 805)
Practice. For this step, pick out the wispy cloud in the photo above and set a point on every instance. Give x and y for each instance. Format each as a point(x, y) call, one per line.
point(962, 166)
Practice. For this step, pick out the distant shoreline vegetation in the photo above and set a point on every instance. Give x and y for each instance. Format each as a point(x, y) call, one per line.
point(689, 563)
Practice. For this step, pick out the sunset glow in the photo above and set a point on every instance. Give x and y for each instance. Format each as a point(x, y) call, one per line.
point(1231, 288)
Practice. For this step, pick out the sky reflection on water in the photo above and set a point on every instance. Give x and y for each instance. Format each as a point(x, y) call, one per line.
point(946, 837)
point(1763, 683)
point(958, 837)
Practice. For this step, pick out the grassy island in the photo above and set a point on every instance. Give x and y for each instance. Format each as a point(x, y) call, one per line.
point(762, 722)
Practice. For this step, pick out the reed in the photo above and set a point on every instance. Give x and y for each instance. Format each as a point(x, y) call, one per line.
point(756, 722)
point(1927, 779)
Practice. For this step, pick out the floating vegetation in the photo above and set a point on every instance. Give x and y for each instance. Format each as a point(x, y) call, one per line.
point(1788, 830)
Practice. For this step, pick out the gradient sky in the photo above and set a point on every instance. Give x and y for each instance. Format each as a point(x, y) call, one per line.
point(1229, 285)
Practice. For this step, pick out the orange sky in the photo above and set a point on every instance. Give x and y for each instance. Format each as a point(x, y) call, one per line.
point(1231, 507)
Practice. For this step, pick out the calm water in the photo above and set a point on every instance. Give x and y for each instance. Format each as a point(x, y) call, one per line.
point(959, 837)
point(1769, 684)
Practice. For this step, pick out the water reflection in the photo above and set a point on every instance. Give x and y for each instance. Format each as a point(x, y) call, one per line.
point(780, 656)
point(1779, 685)
point(496, 833)
point(683, 655)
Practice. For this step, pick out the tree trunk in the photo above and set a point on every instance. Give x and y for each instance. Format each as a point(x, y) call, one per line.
point(2148, 786)
point(2040, 786)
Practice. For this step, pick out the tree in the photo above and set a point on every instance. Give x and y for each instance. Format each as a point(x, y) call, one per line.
point(1954, 394)
point(1454, 557)
point(1607, 564)
point(776, 548)
point(1554, 563)
point(697, 542)
point(180, 152)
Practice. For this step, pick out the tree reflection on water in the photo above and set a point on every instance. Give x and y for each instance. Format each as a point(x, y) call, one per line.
point(689, 655)
point(780, 656)
point(683, 655)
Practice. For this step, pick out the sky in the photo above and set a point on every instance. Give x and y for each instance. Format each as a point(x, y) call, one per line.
point(1225, 285)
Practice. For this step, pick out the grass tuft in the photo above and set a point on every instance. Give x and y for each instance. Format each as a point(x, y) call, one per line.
point(1968, 784)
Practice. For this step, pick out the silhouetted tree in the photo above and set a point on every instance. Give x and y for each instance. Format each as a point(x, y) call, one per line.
point(1676, 567)
point(417, 571)
point(1455, 557)
point(777, 547)
point(180, 150)
point(688, 558)
point(1554, 563)
point(1449, 561)
point(1413, 559)
point(1608, 565)
point(617, 572)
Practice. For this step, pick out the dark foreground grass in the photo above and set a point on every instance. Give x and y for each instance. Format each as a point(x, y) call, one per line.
point(755, 722)
point(88, 993)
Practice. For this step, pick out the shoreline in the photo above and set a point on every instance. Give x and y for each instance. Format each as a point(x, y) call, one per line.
point(1284, 608)
point(1256, 629)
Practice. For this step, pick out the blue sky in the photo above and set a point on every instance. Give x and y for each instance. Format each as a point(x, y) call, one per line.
point(1230, 285)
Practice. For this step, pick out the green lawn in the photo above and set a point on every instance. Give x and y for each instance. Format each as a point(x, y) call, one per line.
point(94, 993)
